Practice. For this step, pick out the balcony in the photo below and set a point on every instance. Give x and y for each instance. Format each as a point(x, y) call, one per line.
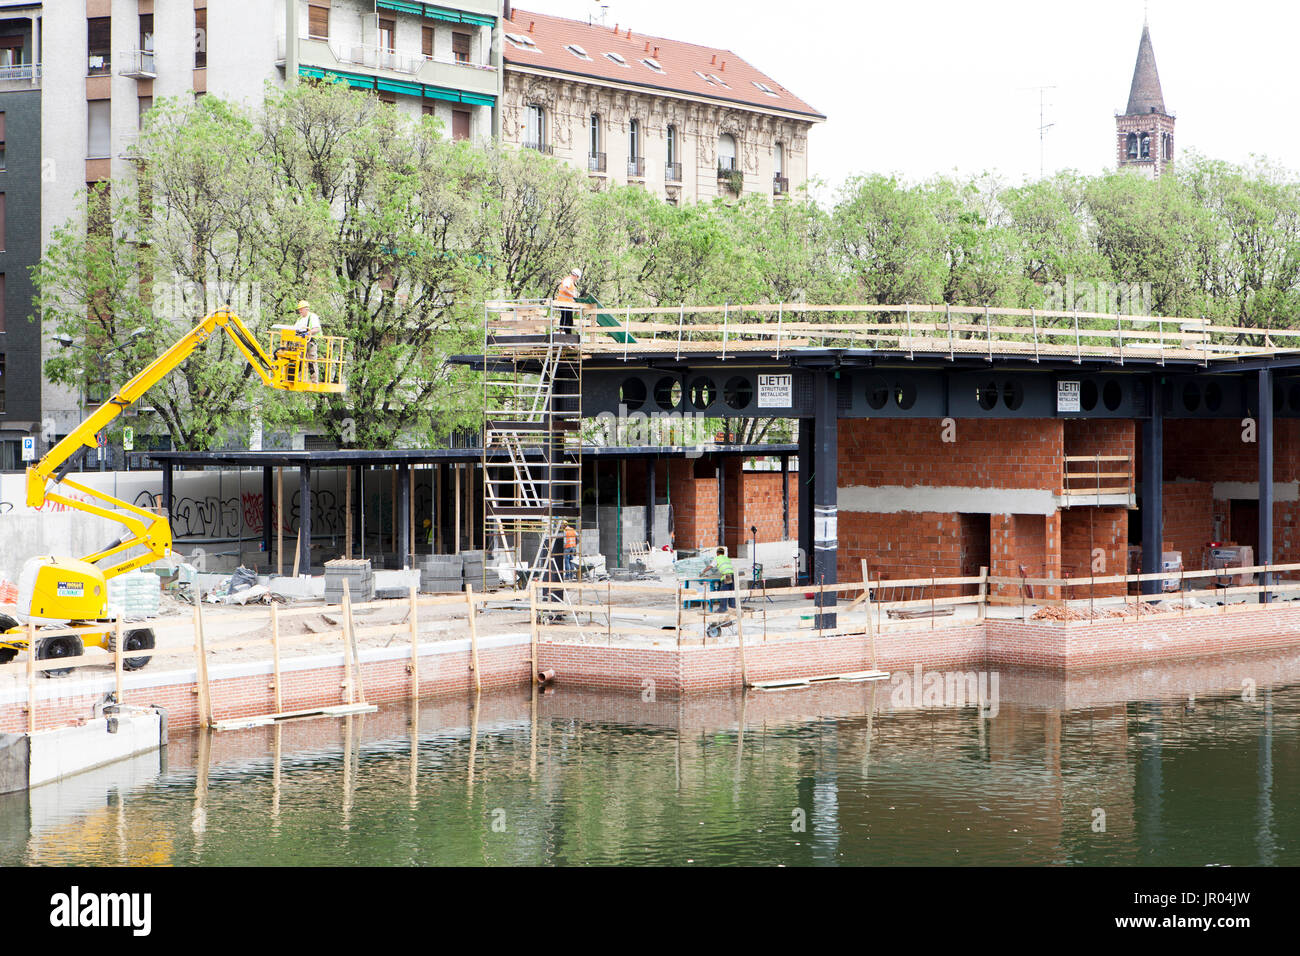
point(595, 162)
point(99, 64)
point(479, 78)
point(636, 167)
point(780, 186)
point(545, 148)
point(20, 76)
point(137, 64)
point(1097, 480)
point(673, 172)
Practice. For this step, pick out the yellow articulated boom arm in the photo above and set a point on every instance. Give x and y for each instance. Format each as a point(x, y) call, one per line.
point(285, 368)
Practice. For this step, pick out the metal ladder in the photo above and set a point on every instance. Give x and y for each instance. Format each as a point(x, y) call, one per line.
point(532, 452)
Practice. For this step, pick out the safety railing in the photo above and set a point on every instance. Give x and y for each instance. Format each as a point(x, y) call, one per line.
point(309, 362)
point(1096, 479)
point(932, 330)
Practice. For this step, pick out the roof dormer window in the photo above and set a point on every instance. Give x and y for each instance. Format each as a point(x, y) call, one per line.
point(652, 64)
point(766, 89)
point(617, 59)
point(577, 51)
point(522, 42)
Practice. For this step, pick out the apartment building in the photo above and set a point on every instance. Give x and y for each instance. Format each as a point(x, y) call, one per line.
point(687, 122)
point(20, 217)
point(105, 62)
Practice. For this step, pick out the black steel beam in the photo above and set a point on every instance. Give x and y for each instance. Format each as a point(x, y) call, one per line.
point(267, 491)
point(304, 520)
point(825, 493)
point(1153, 468)
point(1265, 438)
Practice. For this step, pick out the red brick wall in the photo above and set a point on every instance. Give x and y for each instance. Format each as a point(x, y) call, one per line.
point(1188, 519)
point(1212, 450)
point(695, 503)
point(906, 545)
point(1030, 540)
point(987, 453)
point(762, 497)
point(1083, 530)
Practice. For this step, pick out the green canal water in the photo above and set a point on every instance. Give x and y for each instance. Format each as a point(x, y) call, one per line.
point(1197, 764)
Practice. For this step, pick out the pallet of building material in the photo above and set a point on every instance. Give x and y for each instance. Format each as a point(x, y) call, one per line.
point(915, 614)
point(431, 585)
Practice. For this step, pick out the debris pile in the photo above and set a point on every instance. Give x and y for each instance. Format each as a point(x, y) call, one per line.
point(1057, 613)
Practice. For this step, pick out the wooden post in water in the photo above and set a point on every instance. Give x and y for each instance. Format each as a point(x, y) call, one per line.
point(31, 678)
point(866, 602)
point(201, 646)
point(473, 636)
point(532, 627)
point(679, 615)
point(415, 648)
point(740, 626)
point(275, 651)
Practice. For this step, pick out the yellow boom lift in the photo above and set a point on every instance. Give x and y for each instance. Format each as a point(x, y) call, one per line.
point(59, 592)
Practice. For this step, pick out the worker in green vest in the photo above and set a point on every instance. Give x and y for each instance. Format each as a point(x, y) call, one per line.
point(722, 565)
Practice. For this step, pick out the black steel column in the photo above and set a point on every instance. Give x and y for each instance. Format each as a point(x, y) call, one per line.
point(1265, 439)
point(404, 514)
point(304, 519)
point(167, 492)
point(805, 480)
point(357, 545)
point(650, 502)
point(825, 492)
point(785, 497)
point(268, 491)
point(1153, 476)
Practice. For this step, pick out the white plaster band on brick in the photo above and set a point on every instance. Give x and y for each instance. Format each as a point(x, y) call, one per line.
point(896, 499)
point(66, 688)
point(1249, 490)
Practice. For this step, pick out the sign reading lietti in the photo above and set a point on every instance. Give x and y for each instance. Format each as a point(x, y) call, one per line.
point(775, 391)
point(1067, 397)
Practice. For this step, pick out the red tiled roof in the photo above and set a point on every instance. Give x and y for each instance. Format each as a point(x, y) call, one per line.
point(687, 67)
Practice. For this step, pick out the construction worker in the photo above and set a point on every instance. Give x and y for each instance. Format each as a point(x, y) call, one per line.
point(568, 292)
point(726, 573)
point(308, 328)
point(570, 547)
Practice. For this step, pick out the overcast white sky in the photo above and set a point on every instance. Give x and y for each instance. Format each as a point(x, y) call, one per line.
point(919, 87)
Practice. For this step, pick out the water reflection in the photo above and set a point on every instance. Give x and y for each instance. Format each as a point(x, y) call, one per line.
point(1172, 765)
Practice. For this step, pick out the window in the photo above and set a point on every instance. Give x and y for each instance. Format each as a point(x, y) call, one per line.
point(146, 104)
point(652, 64)
point(714, 78)
point(99, 46)
point(318, 22)
point(461, 123)
point(428, 109)
point(778, 159)
point(704, 77)
point(460, 45)
point(2, 222)
point(146, 32)
point(201, 39)
point(765, 88)
point(726, 152)
point(635, 162)
point(673, 169)
point(1169, 143)
point(522, 42)
point(1144, 143)
point(577, 51)
point(617, 59)
point(1131, 146)
point(535, 136)
point(387, 35)
point(594, 131)
point(2, 139)
point(426, 42)
point(386, 97)
point(672, 145)
point(97, 129)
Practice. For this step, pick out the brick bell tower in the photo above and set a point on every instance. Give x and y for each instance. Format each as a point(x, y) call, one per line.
point(1144, 133)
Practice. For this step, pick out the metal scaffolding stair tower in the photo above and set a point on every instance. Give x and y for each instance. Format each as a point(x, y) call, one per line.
point(532, 447)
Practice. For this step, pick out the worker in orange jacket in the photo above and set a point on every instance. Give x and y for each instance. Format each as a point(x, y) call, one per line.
point(568, 293)
point(570, 546)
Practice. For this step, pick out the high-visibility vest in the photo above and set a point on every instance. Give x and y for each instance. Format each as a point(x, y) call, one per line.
point(723, 564)
point(570, 538)
point(568, 290)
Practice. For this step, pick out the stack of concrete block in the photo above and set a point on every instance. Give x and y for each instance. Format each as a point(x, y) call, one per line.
point(441, 573)
point(358, 574)
point(473, 569)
